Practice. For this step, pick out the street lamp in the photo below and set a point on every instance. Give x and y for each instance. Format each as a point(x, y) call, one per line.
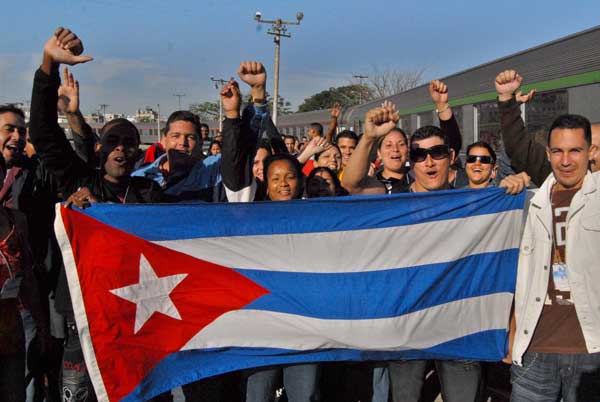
point(179, 96)
point(219, 83)
point(360, 84)
point(278, 29)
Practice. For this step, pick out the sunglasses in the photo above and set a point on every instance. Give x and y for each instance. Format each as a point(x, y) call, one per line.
point(484, 159)
point(436, 152)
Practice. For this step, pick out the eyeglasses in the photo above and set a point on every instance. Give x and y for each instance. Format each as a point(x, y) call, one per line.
point(484, 159)
point(436, 152)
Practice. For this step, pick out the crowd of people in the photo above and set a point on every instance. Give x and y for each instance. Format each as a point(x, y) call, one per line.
point(554, 342)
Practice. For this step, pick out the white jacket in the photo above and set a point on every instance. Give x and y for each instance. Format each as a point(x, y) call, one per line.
point(582, 259)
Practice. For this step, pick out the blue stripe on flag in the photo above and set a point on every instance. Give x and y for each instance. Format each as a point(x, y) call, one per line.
point(188, 366)
point(181, 221)
point(406, 289)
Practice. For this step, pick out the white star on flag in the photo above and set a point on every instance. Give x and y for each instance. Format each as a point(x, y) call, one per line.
point(151, 294)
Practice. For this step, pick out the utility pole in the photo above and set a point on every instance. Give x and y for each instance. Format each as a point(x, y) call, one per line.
point(219, 83)
point(103, 107)
point(179, 96)
point(158, 122)
point(360, 84)
point(278, 29)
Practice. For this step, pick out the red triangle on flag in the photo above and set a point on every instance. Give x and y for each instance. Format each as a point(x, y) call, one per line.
point(109, 259)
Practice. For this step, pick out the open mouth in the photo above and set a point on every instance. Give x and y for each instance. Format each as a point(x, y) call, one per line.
point(120, 160)
point(431, 173)
point(12, 149)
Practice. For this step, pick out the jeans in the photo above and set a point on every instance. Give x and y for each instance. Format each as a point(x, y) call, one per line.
point(381, 384)
point(299, 381)
point(459, 379)
point(548, 376)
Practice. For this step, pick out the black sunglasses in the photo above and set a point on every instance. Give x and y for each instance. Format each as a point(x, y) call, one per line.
point(484, 159)
point(436, 152)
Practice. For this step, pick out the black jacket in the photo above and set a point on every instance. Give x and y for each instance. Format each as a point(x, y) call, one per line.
point(60, 159)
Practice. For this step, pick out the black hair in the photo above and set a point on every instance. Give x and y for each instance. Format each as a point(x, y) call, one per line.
point(295, 165)
point(317, 126)
point(572, 121)
point(346, 134)
point(8, 108)
point(201, 125)
point(428, 132)
point(314, 184)
point(183, 115)
point(286, 136)
point(395, 129)
point(482, 144)
point(126, 125)
point(213, 142)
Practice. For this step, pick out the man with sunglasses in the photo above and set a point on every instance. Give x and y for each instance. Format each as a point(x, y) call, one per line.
point(480, 164)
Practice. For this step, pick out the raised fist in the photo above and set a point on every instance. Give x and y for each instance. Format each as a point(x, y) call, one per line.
point(336, 110)
point(438, 92)
point(64, 47)
point(380, 121)
point(252, 73)
point(507, 82)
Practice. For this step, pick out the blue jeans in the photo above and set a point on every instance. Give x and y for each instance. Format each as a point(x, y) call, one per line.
point(299, 381)
point(381, 384)
point(548, 376)
point(459, 379)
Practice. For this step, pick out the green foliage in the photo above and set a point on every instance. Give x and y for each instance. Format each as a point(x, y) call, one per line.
point(348, 95)
point(206, 111)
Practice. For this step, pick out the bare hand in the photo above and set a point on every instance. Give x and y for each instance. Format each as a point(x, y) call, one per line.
point(232, 99)
point(252, 73)
point(524, 98)
point(336, 110)
point(82, 198)
point(65, 47)
point(380, 121)
point(316, 145)
point(68, 93)
point(515, 183)
point(438, 92)
point(507, 82)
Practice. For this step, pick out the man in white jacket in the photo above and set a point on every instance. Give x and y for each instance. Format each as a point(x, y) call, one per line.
point(557, 302)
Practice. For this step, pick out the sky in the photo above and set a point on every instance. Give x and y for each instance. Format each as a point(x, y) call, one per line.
point(146, 51)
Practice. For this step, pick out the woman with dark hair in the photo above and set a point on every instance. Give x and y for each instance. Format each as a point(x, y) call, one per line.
point(214, 147)
point(323, 182)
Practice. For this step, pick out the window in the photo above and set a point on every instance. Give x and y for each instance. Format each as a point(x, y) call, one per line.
point(405, 125)
point(541, 111)
point(488, 123)
point(426, 119)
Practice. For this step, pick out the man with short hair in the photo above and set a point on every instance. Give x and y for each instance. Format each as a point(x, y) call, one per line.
point(556, 347)
point(290, 144)
point(346, 141)
point(204, 131)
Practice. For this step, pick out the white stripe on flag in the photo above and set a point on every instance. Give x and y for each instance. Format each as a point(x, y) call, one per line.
point(418, 330)
point(361, 250)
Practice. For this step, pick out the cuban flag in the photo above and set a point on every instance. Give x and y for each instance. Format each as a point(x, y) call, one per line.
point(168, 294)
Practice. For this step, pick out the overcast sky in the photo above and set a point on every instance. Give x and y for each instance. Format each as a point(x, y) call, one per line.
point(146, 51)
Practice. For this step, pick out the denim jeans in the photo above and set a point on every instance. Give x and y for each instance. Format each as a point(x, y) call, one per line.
point(459, 379)
point(299, 381)
point(548, 376)
point(381, 384)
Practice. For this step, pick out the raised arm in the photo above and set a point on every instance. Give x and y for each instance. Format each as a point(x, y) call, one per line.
point(525, 153)
point(378, 123)
point(439, 95)
point(240, 135)
point(84, 141)
point(47, 137)
point(336, 110)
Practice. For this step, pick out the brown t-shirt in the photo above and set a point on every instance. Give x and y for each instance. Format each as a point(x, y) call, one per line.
point(558, 330)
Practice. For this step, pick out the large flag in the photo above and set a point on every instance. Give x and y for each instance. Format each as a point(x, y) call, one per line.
point(168, 294)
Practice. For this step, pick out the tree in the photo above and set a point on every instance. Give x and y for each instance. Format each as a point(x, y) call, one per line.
point(391, 81)
point(206, 111)
point(348, 95)
point(284, 107)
